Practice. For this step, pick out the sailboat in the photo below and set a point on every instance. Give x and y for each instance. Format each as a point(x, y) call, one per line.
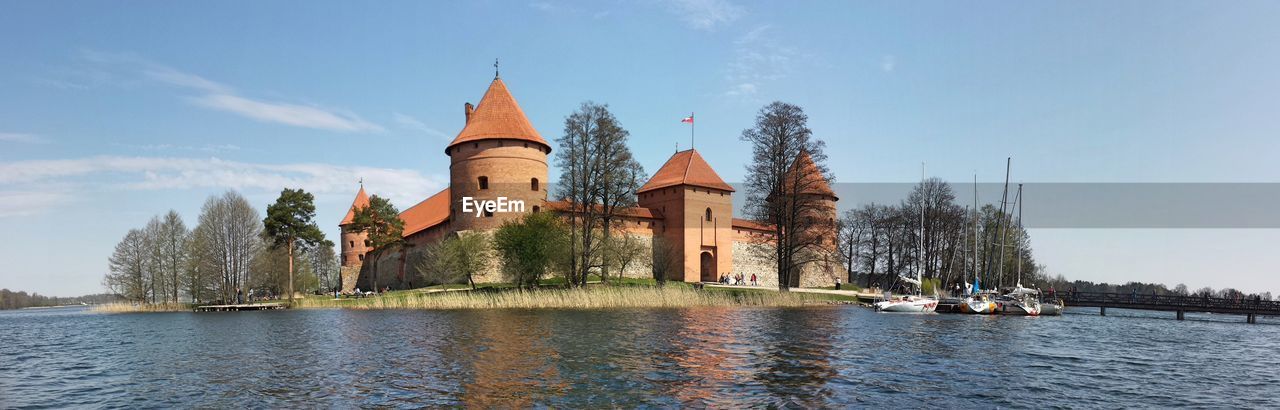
point(1020, 301)
point(912, 303)
point(975, 301)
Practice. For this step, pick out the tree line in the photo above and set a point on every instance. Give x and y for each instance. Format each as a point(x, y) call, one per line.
point(18, 300)
point(948, 243)
point(232, 254)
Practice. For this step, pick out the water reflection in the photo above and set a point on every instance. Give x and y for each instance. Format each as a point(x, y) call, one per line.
point(512, 364)
point(811, 357)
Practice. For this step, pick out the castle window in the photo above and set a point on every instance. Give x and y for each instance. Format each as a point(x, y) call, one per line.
point(484, 182)
point(351, 243)
point(533, 184)
point(536, 208)
point(488, 214)
point(475, 145)
point(361, 257)
point(708, 214)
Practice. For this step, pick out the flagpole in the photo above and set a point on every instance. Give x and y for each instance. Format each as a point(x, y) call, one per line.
point(693, 122)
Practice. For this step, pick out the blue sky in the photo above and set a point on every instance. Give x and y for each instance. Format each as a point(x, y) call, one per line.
point(113, 112)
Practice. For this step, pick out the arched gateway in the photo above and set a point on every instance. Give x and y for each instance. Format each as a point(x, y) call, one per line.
point(708, 267)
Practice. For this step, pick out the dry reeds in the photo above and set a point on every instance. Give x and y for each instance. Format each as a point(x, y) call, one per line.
point(141, 307)
point(589, 298)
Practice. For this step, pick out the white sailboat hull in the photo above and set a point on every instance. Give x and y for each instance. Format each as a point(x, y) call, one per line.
point(908, 306)
point(1019, 308)
point(977, 306)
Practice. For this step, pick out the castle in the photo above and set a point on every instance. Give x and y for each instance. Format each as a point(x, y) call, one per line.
point(499, 154)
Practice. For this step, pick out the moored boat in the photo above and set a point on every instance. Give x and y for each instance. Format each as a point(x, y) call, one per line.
point(978, 304)
point(908, 304)
point(1051, 308)
point(1019, 304)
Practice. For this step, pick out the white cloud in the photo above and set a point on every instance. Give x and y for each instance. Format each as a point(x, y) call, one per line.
point(289, 114)
point(22, 138)
point(705, 14)
point(221, 97)
point(206, 148)
point(37, 184)
point(888, 63)
point(27, 203)
point(413, 124)
point(742, 90)
point(181, 79)
point(759, 58)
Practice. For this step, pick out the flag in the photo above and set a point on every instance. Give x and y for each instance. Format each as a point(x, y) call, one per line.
point(688, 119)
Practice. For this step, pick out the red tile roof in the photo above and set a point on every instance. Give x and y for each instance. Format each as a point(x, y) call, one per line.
point(498, 116)
point(428, 213)
point(632, 212)
point(812, 180)
point(753, 225)
point(361, 201)
point(685, 168)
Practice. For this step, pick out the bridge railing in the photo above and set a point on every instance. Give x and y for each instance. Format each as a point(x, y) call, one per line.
point(1172, 301)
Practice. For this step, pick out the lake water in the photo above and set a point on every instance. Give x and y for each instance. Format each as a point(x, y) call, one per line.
point(811, 357)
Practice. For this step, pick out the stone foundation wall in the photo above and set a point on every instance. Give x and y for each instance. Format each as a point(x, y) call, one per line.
point(348, 276)
point(757, 257)
point(748, 257)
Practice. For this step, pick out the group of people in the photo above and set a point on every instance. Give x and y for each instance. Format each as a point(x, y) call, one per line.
point(737, 280)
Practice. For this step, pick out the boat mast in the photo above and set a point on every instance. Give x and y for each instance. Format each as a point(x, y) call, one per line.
point(920, 249)
point(977, 215)
point(1017, 200)
point(1004, 201)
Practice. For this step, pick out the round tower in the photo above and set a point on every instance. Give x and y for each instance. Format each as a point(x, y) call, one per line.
point(353, 243)
point(498, 164)
point(822, 215)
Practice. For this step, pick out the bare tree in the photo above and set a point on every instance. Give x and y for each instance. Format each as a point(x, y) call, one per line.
point(782, 198)
point(599, 177)
point(621, 252)
point(325, 263)
point(666, 259)
point(230, 235)
point(127, 267)
point(171, 237)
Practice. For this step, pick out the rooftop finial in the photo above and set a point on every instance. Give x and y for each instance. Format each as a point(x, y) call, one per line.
point(495, 68)
point(362, 182)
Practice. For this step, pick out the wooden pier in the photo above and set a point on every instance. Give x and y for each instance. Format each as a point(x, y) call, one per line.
point(238, 308)
point(1249, 308)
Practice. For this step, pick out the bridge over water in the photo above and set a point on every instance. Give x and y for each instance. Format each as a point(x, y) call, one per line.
point(1250, 308)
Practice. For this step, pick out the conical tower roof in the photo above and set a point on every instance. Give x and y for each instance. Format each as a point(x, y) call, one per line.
point(498, 116)
point(685, 168)
point(362, 200)
point(812, 180)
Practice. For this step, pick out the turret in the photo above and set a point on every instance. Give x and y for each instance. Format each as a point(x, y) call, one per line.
point(498, 156)
point(353, 242)
point(698, 210)
point(813, 184)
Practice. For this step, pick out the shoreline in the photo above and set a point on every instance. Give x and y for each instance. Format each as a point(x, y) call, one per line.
point(595, 297)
